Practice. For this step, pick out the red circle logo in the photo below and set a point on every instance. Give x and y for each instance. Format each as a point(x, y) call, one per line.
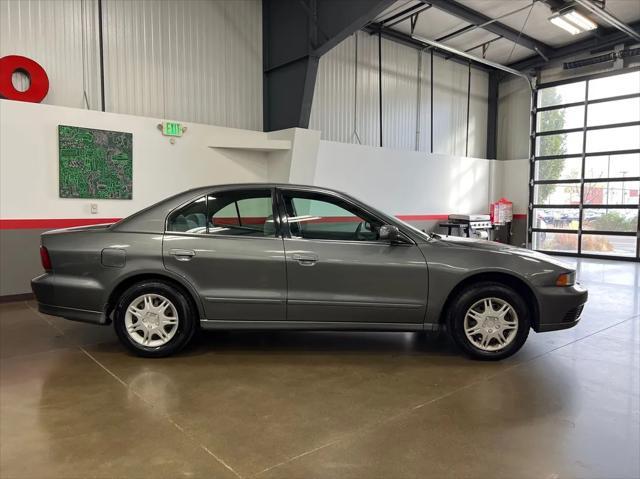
point(38, 79)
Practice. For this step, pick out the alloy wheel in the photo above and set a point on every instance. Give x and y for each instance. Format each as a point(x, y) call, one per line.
point(151, 320)
point(491, 324)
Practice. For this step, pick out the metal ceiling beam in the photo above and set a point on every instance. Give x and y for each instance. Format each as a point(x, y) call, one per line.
point(456, 33)
point(408, 40)
point(555, 5)
point(605, 40)
point(404, 15)
point(476, 18)
point(339, 19)
point(609, 18)
point(447, 48)
point(470, 28)
point(295, 34)
point(483, 44)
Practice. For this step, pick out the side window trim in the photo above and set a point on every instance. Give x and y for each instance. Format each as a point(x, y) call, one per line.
point(237, 212)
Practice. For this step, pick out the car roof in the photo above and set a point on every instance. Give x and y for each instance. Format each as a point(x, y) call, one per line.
point(262, 185)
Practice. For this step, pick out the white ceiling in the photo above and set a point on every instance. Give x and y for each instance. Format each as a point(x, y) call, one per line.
point(533, 21)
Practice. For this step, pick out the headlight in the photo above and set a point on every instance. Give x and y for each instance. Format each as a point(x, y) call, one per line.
point(566, 279)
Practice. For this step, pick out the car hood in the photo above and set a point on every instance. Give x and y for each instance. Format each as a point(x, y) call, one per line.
point(493, 246)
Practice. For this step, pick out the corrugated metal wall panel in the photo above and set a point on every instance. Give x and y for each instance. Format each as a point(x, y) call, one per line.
point(424, 105)
point(62, 38)
point(406, 99)
point(479, 110)
point(368, 114)
point(201, 61)
point(399, 95)
point(335, 92)
point(197, 60)
point(334, 105)
point(514, 106)
point(449, 107)
point(134, 57)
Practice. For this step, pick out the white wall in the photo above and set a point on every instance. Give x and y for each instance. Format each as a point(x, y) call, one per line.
point(196, 60)
point(399, 182)
point(405, 182)
point(29, 161)
point(346, 103)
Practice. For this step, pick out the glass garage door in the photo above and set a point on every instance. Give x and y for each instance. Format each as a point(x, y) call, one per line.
point(586, 167)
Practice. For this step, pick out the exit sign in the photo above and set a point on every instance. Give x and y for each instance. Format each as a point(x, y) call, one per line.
point(171, 128)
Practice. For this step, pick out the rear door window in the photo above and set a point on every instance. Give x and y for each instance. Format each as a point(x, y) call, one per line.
point(230, 213)
point(241, 213)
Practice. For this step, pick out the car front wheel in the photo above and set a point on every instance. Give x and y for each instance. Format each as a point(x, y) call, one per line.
point(154, 319)
point(489, 321)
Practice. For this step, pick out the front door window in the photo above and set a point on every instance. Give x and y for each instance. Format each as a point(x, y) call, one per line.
point(320, 217)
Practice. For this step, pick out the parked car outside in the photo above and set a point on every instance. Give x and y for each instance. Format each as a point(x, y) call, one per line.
point(280, 256)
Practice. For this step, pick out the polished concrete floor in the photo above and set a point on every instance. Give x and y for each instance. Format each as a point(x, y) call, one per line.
point(73, 403)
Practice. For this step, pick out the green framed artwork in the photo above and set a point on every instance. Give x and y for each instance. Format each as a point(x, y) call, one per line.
point(95, 163)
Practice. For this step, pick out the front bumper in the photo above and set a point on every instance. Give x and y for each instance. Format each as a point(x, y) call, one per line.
point(560, 307)
point(45, 291)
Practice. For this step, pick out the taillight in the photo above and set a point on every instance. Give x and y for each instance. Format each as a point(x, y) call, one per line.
point(45, 259)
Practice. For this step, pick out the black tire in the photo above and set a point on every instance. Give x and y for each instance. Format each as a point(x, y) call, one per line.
point(470, 297)
point(186, 319)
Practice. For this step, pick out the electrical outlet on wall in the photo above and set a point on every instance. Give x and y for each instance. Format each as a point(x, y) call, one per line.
point(94, 208)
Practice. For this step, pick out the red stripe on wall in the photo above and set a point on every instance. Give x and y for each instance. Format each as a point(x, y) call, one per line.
point(54, 223)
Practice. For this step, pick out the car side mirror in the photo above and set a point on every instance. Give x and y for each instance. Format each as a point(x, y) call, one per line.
point(389, 233)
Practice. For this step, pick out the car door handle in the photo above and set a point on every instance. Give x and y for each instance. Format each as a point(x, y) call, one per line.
point(305, 259)
point(182, 254)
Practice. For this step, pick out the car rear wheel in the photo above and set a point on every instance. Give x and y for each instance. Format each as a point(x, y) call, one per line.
point(154, 319)
point(489, 321)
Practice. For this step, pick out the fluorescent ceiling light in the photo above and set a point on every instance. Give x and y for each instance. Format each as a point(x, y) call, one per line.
point(572, 21)
point(562, 23)
point(580, 20)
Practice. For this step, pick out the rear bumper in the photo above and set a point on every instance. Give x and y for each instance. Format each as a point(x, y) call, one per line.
point(95, 317)
point(44, 289)
point(560, 307)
